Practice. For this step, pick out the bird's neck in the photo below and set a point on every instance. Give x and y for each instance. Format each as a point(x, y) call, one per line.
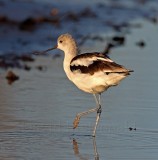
point(69, 55)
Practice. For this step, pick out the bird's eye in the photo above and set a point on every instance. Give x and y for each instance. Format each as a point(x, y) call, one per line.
point(60, 41)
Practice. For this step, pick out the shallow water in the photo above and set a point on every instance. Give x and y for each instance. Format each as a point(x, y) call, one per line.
point(37, 111)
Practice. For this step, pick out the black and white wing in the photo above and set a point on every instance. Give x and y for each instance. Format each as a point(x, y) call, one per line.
point(90, 63)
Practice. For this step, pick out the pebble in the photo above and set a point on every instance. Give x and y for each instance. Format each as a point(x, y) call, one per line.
point(11, 77)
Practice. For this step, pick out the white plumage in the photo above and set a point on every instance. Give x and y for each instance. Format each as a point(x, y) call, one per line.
point(91, 72)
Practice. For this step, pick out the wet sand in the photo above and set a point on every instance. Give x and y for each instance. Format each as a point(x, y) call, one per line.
point(37, 111)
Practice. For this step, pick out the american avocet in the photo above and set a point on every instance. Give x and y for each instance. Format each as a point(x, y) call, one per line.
point(91, 72)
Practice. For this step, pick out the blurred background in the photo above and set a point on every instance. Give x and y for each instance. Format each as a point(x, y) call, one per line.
point(38, 103)
point(35, 24)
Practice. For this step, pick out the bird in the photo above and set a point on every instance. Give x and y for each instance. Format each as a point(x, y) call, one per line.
point(92, 72)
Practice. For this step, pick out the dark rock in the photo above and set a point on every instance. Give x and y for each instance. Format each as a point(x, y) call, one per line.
point(41, 68)
point(141, 44)
point(15, 61)
point(27, 68)
point(11, 77)
point(154, 20)
point(72, 16)
point(55, 21)
point(28, 25)
point(119, 39)
point(6, 20)
point(131, 129)
point(3, 19)
point(9, 63)
point(25, 58)
point(3, 64)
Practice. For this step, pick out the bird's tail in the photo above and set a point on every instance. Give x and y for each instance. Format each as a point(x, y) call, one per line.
point(128, 73)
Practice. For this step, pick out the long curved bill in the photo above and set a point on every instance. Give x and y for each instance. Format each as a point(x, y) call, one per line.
point(45, 52)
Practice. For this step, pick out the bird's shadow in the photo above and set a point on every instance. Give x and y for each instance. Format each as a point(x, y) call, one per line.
point(80, 155)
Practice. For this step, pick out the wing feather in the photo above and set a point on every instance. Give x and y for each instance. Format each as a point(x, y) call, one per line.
point(95, 62)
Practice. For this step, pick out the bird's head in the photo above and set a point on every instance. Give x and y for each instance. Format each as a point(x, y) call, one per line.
point(66, 43)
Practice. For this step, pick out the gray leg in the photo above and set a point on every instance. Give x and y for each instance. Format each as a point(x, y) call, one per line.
point(79, 115)
point(99, 110)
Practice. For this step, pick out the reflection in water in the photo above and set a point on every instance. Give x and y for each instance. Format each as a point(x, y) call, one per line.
point(95, 149)
point(81, 157)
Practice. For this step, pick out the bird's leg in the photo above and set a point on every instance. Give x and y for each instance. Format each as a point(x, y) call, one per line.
point(99, 110)
point(95, 149)
point(79, 115)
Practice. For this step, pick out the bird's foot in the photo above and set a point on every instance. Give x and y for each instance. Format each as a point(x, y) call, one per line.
point(76, 122)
